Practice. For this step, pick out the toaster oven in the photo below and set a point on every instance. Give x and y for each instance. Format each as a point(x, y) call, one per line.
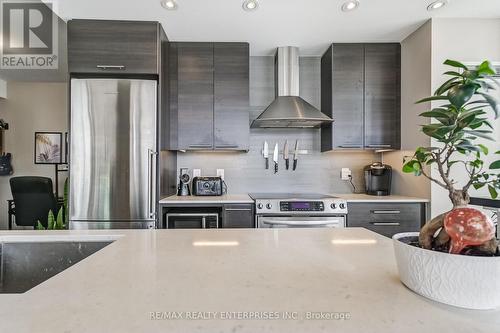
point(208, 186)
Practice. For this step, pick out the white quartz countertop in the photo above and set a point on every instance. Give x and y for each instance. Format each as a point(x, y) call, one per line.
point(227, 198)
point(245, 198)
point(315, 275)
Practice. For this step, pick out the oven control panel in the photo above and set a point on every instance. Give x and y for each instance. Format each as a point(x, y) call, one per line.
point(302, 206)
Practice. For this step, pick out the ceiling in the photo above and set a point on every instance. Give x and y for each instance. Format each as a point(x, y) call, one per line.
point(309, 24)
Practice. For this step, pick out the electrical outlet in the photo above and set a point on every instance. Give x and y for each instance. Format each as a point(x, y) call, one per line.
point(196, 173)
point(345, 174)
point(220, 173)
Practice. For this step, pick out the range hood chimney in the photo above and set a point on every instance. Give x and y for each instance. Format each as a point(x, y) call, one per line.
point(288, 109)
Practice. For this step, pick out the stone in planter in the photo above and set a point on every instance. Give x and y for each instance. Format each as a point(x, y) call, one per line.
point(469, 282)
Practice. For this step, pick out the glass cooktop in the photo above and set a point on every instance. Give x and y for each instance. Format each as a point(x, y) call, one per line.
point(285, 196)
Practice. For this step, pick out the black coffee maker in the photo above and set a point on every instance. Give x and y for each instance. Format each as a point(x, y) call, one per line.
point(378, 178)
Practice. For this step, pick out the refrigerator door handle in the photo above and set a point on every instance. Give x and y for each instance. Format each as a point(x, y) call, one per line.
point(151, 204)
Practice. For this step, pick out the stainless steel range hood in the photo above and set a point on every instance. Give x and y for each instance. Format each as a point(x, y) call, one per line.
point(288, 109)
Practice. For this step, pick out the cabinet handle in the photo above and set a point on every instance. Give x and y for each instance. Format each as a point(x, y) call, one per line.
point(227, 146)
point(386, 211)
point(350, 146)
point(201, 145)
point(238, 209)
point(385, 224)
point(110, 66)
point(379, 146)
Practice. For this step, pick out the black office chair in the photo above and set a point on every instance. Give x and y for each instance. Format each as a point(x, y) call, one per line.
point(33, 198)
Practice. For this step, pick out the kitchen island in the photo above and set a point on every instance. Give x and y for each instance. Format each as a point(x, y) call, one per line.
point(233, 280)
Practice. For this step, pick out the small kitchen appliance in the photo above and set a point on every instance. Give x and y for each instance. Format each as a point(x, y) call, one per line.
point(184, 178)
point(299, 210)
point(208, 186)
point(378, 179)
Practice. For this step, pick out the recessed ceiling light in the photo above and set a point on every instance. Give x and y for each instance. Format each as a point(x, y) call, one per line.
point(250, 5)
point(350, 5)
point(169, 4)
point(437, 5)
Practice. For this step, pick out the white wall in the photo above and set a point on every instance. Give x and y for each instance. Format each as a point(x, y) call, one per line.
point(467, 40)
point(416, 74)
point(31, 106)
point(3, 89)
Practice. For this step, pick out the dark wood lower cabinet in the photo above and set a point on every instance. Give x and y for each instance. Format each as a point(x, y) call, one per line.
point(238, 216)
point(385, 218)
point(217, 215)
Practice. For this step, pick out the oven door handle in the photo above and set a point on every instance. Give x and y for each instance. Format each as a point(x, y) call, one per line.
point(302, 223)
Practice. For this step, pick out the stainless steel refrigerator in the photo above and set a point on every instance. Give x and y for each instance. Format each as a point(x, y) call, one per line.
point(113, 154)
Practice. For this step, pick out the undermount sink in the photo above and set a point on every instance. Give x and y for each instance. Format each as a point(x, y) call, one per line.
point(24, 265)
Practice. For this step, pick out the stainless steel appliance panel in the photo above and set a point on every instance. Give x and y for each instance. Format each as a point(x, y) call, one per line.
point(300, 221)
point(113, 152)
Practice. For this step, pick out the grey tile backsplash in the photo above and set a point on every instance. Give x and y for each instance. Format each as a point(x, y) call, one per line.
point(316, 171)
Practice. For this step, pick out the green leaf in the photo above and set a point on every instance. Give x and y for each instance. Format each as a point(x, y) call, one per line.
point(432, 98)
point(478, 186)
point(59, 221)
point(461, 94)
point(470, 74)
point(39, 226)
point(438, 113)
point(455, 63)
point(481, 134)
point(483, 148)
point(65, 200)
point(485, 85)
point(493, 192)
point(495, 165)
point(493, 102)
point(463, 148)
point(50, 220)
point(408, 167)
point(485, 68)
point(446, 86)
point(452, 73)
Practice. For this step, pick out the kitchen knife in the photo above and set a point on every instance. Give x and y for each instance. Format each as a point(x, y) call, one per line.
point(285, 155)
point(275, 157)
point(296, 155)
point(266, 154)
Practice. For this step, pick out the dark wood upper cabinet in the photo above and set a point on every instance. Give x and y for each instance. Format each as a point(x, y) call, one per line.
point(124, 47)
point(209, 96)
point(360, 90)
point(342, 96)
point(231, 96)
point(383, 96)
point(195, 95)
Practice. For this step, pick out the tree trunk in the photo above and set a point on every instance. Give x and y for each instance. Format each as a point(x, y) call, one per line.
point(459, 198)
point(427, 240)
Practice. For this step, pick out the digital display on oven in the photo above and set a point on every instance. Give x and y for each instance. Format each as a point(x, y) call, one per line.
point(300, 205)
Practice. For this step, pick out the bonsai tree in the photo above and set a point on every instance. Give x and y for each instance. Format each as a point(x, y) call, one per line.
point(456, 126)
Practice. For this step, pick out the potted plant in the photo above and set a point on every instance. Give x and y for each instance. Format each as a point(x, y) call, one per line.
point(455, 258)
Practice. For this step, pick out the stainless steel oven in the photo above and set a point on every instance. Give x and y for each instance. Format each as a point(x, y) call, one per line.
point(286, 210)
point(300, 221)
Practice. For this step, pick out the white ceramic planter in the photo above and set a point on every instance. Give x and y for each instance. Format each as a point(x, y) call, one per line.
point(463, 281)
